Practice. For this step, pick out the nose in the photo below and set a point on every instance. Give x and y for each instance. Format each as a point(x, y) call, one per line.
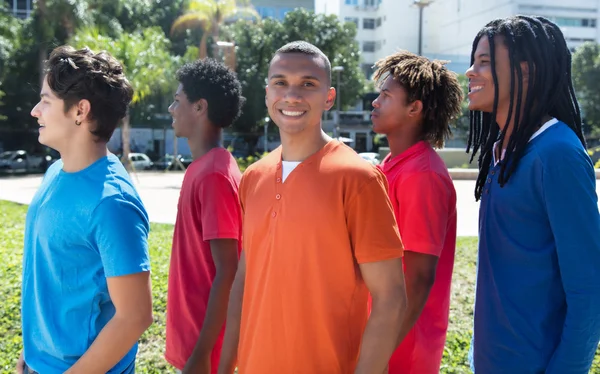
point(292, 95)
point(470, 73)
point(375, 102)
point(171, 108)
point(35, 112)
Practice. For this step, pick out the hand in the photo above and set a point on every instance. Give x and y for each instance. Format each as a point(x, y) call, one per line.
point(20, 364)
point(197, 365)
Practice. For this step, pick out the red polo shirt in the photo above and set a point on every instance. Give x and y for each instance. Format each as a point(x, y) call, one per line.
point(424, 201)
point(208, 209)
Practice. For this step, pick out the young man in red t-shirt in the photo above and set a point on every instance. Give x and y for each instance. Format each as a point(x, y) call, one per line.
point(207, 238)
point(417, 101)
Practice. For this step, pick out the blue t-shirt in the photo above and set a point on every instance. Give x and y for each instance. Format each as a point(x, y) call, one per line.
point(81, 228)
point(537, 305)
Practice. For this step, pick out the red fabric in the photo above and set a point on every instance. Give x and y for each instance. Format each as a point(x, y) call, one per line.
point(208, 209)
point(424, 201)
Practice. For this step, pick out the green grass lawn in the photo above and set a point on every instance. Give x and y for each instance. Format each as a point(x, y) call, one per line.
point(150, 356)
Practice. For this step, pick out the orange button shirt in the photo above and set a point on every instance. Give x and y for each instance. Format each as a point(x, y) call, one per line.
point(305, 303)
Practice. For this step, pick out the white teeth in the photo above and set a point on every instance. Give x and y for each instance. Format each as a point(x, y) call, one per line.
point(476, 88)
point(292, 114)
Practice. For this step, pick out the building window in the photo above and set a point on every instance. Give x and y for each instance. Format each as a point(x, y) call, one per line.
point(574, 22)
point(354, 20)
point(266, 11)
point(283, 12)
point(372, 2)
point(378, 22)
point(369, 46)
point(369, 23)
point(367, 70)
point(351, 2)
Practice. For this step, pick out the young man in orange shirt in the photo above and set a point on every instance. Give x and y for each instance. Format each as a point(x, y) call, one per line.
point(418, 99)
point(319, 234)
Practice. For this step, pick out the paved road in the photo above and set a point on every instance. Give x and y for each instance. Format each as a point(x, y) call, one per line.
point(160, 192)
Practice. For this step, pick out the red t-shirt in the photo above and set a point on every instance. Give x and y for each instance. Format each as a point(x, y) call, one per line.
point(424, 201)
point(208, 209)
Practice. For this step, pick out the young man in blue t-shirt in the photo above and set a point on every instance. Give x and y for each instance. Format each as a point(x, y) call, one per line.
point(86, 295)
point(537, 307)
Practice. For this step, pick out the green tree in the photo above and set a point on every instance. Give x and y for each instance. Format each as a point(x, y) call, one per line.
point(146, 60)
point(461, 124)
point(256, 44)
point(586, 76)
point(10, 28)
point(210, 16)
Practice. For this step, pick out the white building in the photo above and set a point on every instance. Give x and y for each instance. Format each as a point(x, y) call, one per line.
point(456, 22)
point(449, 26)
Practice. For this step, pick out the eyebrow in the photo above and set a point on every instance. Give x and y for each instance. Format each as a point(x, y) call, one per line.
point(308, 77)
point(483, 55)
point(43, 95)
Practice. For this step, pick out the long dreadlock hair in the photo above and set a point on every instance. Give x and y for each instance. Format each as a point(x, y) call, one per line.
point(430, 82)
point(540, 43)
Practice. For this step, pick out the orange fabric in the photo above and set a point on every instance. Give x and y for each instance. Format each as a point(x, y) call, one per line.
point(305, 303)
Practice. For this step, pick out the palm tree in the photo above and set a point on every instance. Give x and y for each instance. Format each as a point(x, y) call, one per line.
point(209, 16)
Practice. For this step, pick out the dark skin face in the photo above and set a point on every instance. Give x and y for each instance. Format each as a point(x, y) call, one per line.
point(481, 81)
point(391, 110)
point(298, 92)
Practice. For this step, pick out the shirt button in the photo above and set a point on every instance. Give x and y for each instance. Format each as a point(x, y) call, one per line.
point(273, 214)
point(278, 180)
point(487, 191)
point(489, 180)
point(278, 196)
point(493, 172)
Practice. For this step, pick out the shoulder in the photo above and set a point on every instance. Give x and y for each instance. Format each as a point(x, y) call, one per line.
point(342, 160)
point(559, 145)
point(118, 190)
point(264, 165)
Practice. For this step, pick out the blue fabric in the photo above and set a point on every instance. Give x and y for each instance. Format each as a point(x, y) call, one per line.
point(537, 305)
point(80, 229)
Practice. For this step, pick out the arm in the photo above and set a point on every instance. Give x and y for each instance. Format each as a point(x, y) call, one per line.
point(225, 256)
point(234, 317)
point(119, 232)
point(378, 251)
point(570, 194)
point(420, 275)
point(425, 203)
point(385, 282)
point(132, 297)
point(220, 218)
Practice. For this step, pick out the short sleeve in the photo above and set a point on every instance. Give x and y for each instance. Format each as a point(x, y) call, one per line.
point(119, 231)
point(424, 205)
point(371, 224)
point(219, 208)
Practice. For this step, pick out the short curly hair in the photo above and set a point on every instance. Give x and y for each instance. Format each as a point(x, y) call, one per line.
point(75, 75)
point(212, 81)
point(430, 82)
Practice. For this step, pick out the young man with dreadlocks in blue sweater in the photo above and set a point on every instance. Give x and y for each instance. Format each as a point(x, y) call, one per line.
point(537, 307)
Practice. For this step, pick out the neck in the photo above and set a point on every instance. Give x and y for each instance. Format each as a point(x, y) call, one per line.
point(298, 147)
point(400, 141)
point(78, 156)
point(201, 144)
point(501, 120)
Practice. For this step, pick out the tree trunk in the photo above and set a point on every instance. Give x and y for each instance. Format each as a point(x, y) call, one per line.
point(125, 142)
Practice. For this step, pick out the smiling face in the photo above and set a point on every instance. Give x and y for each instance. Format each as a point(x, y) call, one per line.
point(57, 128)
point(298, 91)
point(481, 81)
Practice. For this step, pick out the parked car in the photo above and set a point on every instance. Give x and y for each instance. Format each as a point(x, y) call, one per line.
point(140, 161)
point(166, 162)
point(21, 161)
point(370, 157)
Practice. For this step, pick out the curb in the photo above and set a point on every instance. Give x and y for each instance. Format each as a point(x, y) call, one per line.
point(458, 174)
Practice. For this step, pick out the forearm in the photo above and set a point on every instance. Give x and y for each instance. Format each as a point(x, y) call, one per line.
point(216, 313)
point(380, 338)
point(417, 293)
point(112, 344)
point(232, 328)
point(580, 334)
